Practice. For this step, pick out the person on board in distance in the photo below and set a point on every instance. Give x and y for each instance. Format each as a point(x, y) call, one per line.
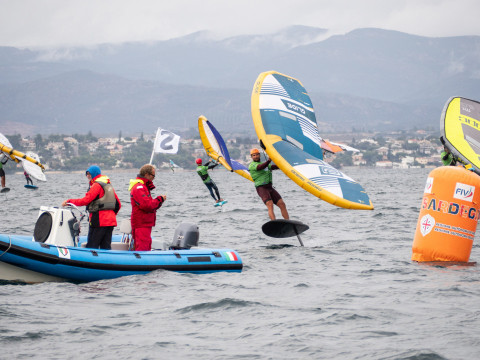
point(103, 205)
point(28, 178)
point(3, 161)
point(202, 171)
point(262, 177)
point(144, 207)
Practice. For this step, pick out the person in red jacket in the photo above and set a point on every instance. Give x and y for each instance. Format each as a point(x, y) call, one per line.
point(144, 207)
point(103, 204)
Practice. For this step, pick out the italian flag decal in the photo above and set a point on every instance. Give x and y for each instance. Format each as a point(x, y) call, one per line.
point(63, 253)
point(230, 256)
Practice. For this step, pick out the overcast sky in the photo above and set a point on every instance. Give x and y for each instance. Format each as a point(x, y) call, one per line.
point(45, 23)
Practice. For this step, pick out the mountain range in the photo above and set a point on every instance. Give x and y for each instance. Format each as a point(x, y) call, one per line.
point(367, 79)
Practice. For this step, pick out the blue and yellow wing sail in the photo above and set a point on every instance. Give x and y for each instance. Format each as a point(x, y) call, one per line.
point(460, 129)
point(217, 149)
point(285, 124)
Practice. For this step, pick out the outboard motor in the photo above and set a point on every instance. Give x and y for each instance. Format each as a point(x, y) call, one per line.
point(186, 235)
point(56, 226)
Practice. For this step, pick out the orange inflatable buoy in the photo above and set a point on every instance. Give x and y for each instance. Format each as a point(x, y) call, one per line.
point(448, 217)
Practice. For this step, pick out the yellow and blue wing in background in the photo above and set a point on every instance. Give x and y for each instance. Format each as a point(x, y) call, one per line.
point(460, 129)
point(217, 149)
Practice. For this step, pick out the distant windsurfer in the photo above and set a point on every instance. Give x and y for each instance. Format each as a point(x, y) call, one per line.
point(3, 160)
point(28, 178)
point(202, 171)
point(262, 177)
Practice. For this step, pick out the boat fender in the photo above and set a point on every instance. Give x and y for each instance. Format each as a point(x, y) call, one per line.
point(186, 235)
point(43, 226)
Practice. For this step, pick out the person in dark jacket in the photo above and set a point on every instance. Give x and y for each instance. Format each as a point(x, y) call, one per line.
point(202, 171)
point(103, 204)
point(144, 207)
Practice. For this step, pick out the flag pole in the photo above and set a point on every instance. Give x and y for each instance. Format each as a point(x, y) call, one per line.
point(153, 150)
point(151, 157)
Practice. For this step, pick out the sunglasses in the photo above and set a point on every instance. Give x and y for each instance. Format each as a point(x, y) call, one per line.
point(152, 175)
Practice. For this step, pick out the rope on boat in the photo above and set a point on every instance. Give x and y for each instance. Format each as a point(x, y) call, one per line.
point(9, 246)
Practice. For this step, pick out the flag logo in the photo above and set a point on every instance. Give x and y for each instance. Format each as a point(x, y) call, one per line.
point(63, 253)
point(464, 192)
point(428, 186)
point(427, 223)
point(230, 256)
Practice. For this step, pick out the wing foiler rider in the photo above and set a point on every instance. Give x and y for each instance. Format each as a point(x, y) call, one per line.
point(262, 177)
point(447, 157)
point(28, 178)
point(3, 161)
point(202, 171)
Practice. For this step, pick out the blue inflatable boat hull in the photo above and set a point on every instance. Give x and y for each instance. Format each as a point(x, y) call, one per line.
point(22, 259)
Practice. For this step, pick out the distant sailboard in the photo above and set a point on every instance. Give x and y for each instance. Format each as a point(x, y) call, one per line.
point(173, 166)
point(217, 149)
point(15, 155)
point(286, 126)
point(33, 170)
point(460, 129)
point(30, 161)
point(334, 147)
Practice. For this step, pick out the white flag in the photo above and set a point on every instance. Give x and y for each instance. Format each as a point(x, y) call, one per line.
point(166, 142)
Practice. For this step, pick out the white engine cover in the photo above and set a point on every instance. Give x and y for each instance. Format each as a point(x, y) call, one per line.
point(60, 233)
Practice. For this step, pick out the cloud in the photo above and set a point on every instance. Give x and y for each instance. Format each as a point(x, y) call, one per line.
point(33, 23)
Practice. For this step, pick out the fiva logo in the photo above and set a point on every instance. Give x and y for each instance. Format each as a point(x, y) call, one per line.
point(428, 186)
point(464, 192)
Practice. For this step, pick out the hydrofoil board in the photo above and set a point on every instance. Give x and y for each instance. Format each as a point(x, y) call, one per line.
point(220, 203)
point(5, 190)
point(281, 228)
point(33, 187)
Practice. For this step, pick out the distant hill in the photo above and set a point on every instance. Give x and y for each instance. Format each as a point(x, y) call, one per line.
point(368, 79)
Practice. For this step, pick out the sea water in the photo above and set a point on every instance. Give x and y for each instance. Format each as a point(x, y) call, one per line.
point(351, 292)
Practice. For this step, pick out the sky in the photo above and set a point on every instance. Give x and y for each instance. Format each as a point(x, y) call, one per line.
point(58, 23)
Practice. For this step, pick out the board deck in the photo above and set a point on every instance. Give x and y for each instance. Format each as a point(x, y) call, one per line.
point(282, 228)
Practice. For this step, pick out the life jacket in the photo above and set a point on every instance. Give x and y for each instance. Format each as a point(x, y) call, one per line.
point(133, 182)
point(202, 170)
point(107, 201)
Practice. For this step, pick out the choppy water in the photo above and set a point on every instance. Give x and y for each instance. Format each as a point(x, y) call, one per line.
point(350, 293)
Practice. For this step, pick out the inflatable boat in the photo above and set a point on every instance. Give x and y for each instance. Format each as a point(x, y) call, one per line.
point(56, 252)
